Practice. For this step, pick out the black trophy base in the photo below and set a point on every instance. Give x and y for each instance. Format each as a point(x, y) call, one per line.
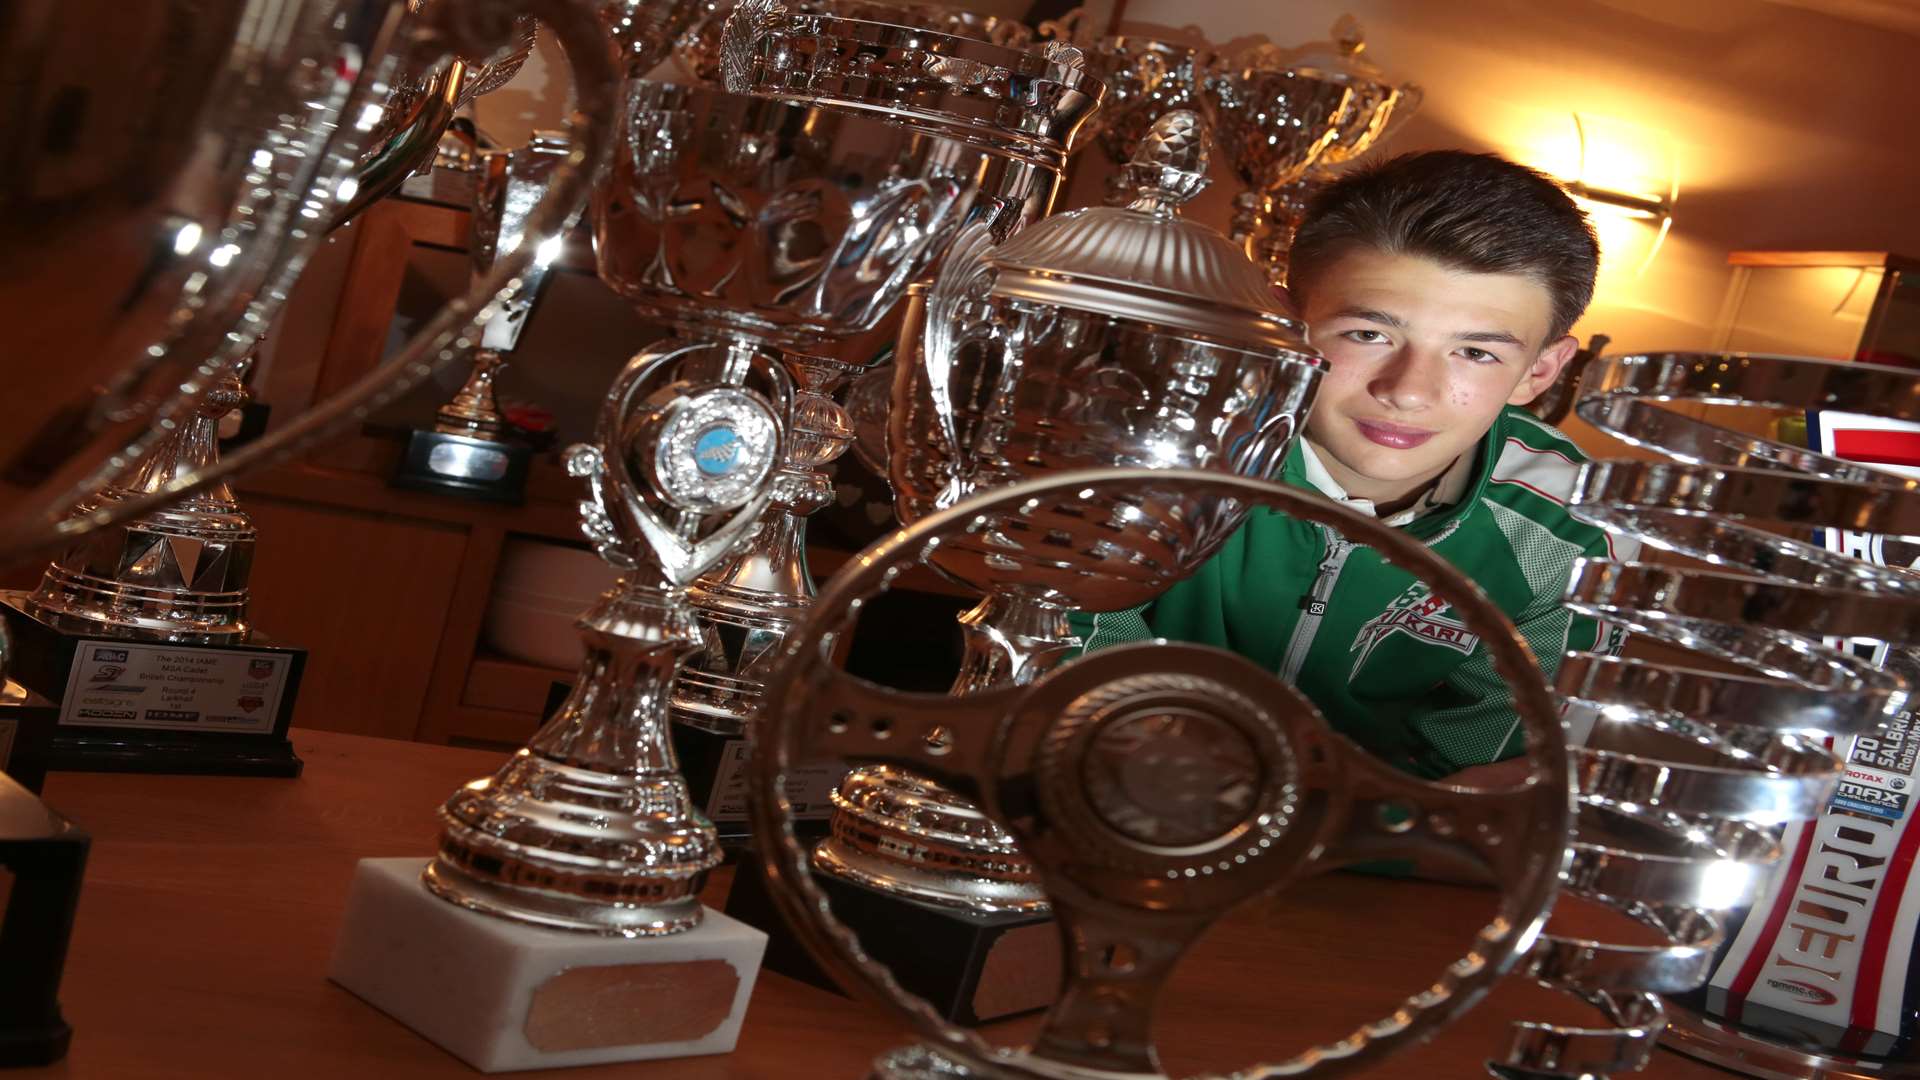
point(973, 969)
point(464, 467)
point(45, 856)
point(152, 707)
point(127, 752)
point(27, 721)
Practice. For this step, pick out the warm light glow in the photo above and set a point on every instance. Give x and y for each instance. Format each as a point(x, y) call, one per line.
point(1623, 175)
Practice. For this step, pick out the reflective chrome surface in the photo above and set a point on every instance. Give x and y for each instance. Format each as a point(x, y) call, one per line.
point(162, 197)
point(1243, 789)
point(509, 187)
point(1147, 77)
point(742, 218)
point(1061, 350)
point(1375, 107)
point(699, 50)
point(176, 574)
point(1274, 122)
point(590, 827)
point(1690, 769)
point(1027, 102)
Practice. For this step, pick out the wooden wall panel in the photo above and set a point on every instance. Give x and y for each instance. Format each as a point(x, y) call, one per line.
point(367, 596)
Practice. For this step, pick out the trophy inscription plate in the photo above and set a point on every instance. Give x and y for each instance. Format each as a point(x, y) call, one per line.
point(172, 687)
point(621, 1005)
point(148, 706)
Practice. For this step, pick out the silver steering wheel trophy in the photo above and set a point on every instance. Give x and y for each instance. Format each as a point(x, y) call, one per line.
point(1251, 790)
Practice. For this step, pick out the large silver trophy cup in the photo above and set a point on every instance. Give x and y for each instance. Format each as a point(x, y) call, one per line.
point(1102, 337)
point(790, 213)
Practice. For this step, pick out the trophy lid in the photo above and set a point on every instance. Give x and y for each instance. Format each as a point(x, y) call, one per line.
point(1143, 261)
point(1340, 59)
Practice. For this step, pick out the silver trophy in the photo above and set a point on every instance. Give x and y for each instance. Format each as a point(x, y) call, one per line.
point(1375, 108)
point(1101, 337)
point(166, 225)
point(590, 827)
point(794, 219)
point(466, 452)
point(1153, 786)
point(1274, 122)
point(1696, 765)
point(175, 574)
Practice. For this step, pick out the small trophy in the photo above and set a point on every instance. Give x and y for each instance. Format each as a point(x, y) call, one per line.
point(139, 633)
point(468, 452)
point(566, 887)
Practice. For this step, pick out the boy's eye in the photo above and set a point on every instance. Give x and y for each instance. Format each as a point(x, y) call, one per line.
point(1364, 337)
point(1479, 356)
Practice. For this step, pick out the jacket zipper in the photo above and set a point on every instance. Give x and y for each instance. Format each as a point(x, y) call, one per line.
point(1315, 604)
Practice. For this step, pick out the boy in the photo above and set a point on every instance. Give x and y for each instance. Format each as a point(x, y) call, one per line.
point(1440, 287)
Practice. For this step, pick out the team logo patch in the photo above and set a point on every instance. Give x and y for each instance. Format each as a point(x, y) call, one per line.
point(1418, 614)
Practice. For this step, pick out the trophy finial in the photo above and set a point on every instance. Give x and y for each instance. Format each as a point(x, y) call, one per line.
point(1169, 166)
point(1347, 34)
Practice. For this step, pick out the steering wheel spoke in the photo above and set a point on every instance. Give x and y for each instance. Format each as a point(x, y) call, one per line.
point(947, 739)
point(1118, 959)
point(1441, 828)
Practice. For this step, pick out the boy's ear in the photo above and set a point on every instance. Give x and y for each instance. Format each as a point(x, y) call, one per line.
point(1545, 368)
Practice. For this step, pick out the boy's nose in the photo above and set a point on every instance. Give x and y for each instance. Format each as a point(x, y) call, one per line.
point(1408, 382)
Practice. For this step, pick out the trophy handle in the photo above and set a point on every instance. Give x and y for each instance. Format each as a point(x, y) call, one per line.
point(1406, 101)
point(946, 305)
point(474, 28)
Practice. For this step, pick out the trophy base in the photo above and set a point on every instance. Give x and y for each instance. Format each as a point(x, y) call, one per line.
point(715, 765)
point(463, 467)
point(973, 969)
point(26, 734)
point(146, 706)
point(45, 858)
point(502, 995)
point(1748, 1052)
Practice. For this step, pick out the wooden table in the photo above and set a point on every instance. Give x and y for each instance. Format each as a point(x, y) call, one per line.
point(211, 904)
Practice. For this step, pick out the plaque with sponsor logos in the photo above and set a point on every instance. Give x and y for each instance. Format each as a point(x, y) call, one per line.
point(150, 706)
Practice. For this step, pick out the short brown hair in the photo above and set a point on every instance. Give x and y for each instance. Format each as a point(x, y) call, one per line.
point(1475, 212)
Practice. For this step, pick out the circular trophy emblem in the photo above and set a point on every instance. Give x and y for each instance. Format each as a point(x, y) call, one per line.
point(715, 449)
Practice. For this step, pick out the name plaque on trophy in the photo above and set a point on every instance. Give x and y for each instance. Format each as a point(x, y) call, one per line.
point(124, 705)
point(809, 788)
point(460, 465)
point(172, 687)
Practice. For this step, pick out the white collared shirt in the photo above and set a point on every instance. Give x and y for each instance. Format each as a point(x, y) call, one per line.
point(1444, 492)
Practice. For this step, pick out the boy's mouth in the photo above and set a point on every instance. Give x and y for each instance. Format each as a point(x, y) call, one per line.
point(1393, 436)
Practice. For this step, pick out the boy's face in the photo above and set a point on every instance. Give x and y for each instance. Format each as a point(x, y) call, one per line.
point(1421, 358)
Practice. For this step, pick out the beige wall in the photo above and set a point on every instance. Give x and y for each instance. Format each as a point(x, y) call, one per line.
point(1789, 128)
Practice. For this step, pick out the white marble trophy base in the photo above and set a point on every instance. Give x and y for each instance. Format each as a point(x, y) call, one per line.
point(503, 995)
